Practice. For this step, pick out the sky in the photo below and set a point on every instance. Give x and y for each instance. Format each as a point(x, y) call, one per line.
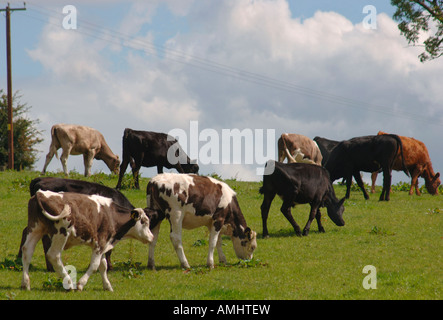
point(259, 66)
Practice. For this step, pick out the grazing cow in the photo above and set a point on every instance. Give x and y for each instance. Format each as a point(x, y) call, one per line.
point(83, 187)
point(299, 183)
point(149, 149)
point(77, 140)
point(72, 219)
point(418, 163)
point(369, 154)
point(298, 148)
point(325, 146)
point(190, 201)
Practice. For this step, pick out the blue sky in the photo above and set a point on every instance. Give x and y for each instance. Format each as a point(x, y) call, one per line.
point(283, 65)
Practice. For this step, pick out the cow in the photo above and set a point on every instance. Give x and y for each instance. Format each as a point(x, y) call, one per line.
point(190, 201)
point(298, 148)
point(149, 149)
point(72, 219)
point(325, 146)
point(75, 140)
point(417, 162)
point(83, 187)
point(369, 154)
point(300, 183)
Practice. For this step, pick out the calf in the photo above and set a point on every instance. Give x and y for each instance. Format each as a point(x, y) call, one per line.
point(418, 163)
point(72, 219)
point(75, 140)
point(369, 154)
point(298, 148)
point(149, 149)
point(299, 183)
point(190, 201)
point(83, 187)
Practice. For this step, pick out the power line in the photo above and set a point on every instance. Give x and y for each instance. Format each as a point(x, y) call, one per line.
point(93, 30)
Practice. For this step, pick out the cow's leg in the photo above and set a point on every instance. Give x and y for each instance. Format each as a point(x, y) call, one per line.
point(88, 158)
point(27, 251)
point(155, 232)
point(64, 159)
point(348, 185)
point(160, 169)
point(54, 256)
point(265, 206)
point(46, 241)
point(286, 210)
point(221, 255)
point(213, 239)
point(386, 184)
point(360, 183)
point(176, 239)
point(123, 167)
point(103, 272)
point(96, 260)
point(373, 179)
point(318, 217)
point(414, 182)
point(312, 214)
point(49, 156)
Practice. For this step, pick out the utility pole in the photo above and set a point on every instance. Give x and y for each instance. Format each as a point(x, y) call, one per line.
point(9, 80)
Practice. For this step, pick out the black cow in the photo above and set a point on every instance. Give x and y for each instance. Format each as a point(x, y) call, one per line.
point(83, 187)
point(299, 183)
point(369, 154)
point(150, 149)
point(325, 146)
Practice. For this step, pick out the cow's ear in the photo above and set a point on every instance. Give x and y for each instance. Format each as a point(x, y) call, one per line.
point(248, 233)
point(135, 215)
point(437, 175)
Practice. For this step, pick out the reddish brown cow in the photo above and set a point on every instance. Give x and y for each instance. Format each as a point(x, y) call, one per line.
point(418, 163)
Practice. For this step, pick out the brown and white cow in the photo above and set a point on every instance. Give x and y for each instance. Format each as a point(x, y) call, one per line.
point(72, 219)
point(190, 201)
point(417, 162)
point(298, 148)
point(75, 140)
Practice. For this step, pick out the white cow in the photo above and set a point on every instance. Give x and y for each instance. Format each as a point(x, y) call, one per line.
point(75, 140)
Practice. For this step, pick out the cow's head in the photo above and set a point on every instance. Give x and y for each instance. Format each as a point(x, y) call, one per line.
point(335, 212)
point(432, 183)
point(245, 244)
point(191, 167)
point(140, 231)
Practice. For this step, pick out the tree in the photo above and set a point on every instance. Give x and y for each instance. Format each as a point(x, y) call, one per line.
point(417, 16)
point(26, 136)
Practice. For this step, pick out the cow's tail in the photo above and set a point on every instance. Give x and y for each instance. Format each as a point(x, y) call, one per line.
point(403, 164)
point(65, 212)
point(288, 154)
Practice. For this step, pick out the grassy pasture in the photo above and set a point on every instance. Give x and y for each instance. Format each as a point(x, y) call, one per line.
point(402, 239)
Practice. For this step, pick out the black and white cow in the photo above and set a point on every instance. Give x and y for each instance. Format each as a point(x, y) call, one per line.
point(150, 149)
point(83, 187)
point(299, 183)
point(190, 201)
point(72, 219)
point(369, 154)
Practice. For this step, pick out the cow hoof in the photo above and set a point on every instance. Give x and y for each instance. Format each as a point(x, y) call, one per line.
point(305, 233)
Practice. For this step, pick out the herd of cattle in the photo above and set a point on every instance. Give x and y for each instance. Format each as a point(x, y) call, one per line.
point(65, 212)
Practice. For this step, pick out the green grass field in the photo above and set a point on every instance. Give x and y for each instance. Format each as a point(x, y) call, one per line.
point(402, 239)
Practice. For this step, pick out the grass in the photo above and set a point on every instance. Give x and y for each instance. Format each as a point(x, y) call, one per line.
point(401, 238)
